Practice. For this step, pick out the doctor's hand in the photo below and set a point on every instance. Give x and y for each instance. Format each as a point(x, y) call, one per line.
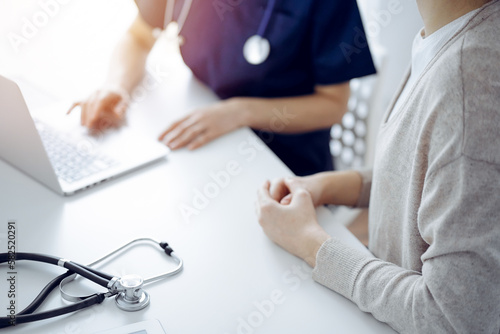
point(204, 125)
point(102, 110)
point(292, 226)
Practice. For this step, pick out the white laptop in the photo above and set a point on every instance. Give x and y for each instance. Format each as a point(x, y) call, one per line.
point(67, 161)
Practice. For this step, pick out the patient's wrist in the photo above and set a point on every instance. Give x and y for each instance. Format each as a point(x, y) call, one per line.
point(314, 243)
point(343, 188)
point(329, 185)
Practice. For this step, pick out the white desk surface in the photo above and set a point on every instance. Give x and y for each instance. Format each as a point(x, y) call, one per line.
point(231, 267)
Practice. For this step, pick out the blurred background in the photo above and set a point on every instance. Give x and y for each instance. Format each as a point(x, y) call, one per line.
point(76, 39)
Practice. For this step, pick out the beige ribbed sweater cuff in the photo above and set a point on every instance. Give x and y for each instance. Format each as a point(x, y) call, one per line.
point(366, 186)
point(338, 265)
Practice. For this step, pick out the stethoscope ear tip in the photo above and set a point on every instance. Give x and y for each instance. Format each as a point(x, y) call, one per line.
point(168, 250)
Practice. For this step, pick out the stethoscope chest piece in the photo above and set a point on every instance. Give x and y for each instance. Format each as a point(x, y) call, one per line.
point(133, 297)
point(256, 50)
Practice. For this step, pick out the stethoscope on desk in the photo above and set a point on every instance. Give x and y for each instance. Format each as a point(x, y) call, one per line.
point(128, 289)
point(256, 49)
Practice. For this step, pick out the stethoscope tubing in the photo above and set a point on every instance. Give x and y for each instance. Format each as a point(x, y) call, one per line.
point(25, 318)
point(27, 314)
point(264, 23)
point(163, 245)
point(75, 269)
point(33, 306)
point(261, 31)
point(94, 275)
point(169, 13)
point(71, 298)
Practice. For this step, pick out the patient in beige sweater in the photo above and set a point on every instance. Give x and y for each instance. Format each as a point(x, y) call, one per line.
point(433, 193)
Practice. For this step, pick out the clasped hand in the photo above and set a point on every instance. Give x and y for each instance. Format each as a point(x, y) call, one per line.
point(286, 212)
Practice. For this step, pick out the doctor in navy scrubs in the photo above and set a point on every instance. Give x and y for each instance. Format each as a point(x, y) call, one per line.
point(280, 67)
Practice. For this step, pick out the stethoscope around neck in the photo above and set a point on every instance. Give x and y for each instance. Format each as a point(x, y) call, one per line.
point(256, 49)
point(127, 290)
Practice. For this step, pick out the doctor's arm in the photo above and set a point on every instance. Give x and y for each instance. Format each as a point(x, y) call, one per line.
point(319, 110)
point(106, 107)
point(325, 107)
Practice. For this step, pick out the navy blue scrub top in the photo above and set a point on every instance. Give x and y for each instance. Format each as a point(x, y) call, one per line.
point(313, 42)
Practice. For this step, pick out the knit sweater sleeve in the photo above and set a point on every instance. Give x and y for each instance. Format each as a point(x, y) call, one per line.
point(458, 289)
point(456, 212)
point(366, 185)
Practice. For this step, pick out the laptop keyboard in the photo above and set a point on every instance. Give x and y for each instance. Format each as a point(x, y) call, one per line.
point(71, 161)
